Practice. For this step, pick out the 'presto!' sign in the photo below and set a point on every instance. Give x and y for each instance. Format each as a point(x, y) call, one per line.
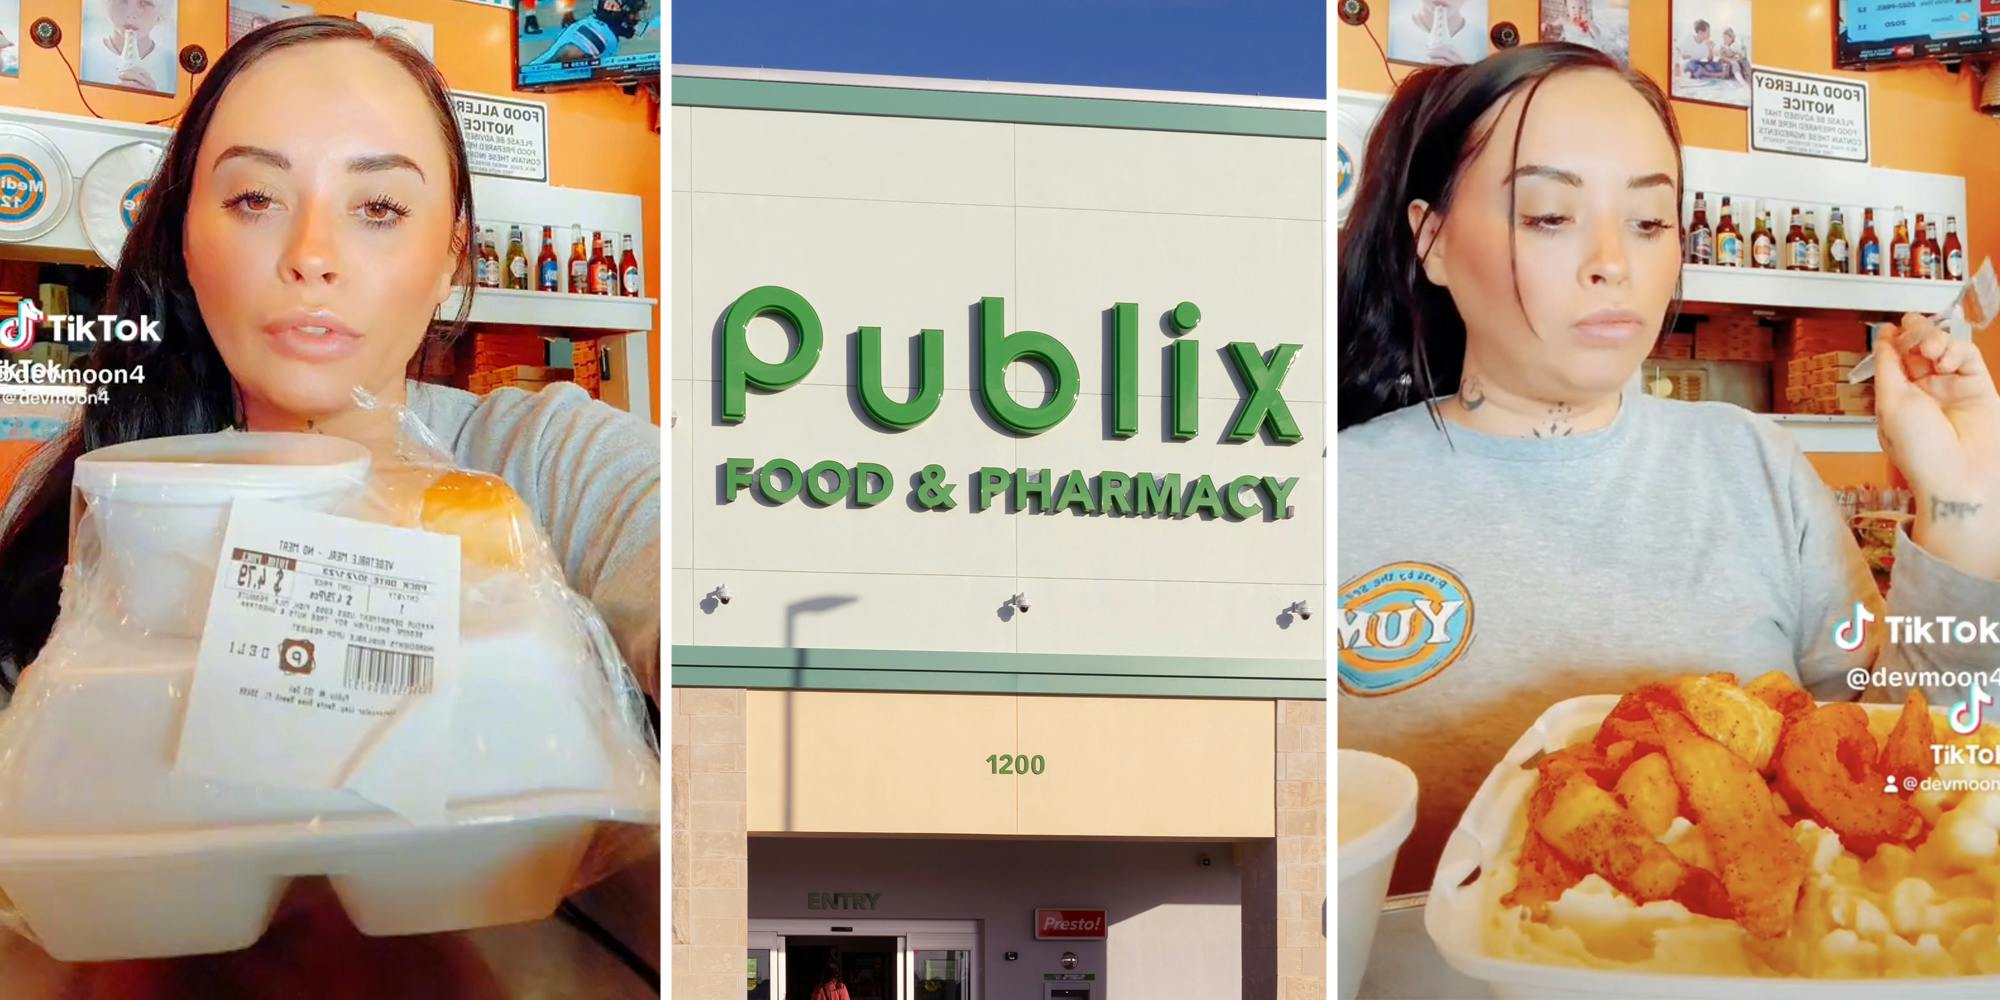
point(1140, 494)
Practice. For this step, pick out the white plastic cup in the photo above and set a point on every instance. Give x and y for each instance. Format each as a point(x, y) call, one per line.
point(159, 507)
point(1378, 808)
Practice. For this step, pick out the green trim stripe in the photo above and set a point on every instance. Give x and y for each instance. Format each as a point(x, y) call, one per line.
point(1028, 109)
point(996, 673)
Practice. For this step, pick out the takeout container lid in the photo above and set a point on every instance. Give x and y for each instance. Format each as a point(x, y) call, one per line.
point(1455, 916)
point(215, 468)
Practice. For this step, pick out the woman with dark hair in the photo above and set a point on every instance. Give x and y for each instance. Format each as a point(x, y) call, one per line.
point(831, 987)
point(311, 213)
point(1517, 528)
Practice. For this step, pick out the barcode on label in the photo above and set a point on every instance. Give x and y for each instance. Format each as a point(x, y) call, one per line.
point(383, 671)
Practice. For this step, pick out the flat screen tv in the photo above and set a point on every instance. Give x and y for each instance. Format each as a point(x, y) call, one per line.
point(566, 43)
point(1873, 33)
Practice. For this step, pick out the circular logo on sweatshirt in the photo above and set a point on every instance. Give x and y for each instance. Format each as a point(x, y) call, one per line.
point(1401, 625)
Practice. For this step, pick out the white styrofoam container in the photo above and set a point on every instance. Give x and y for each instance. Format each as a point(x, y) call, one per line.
point(160, 506)
point(1385, 789)
point(105, 853)
point(1455, 915)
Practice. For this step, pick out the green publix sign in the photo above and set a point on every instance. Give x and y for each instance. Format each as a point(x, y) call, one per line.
point(1137, 494)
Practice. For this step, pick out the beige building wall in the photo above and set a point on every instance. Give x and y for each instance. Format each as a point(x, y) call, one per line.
point(867, 762)
point(711, 851)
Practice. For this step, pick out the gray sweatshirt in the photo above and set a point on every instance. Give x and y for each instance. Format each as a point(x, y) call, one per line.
point(1486, 578)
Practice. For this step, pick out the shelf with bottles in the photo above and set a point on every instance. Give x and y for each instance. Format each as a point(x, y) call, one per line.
point(602, 313)
point(510, 257)
point(1870, 266)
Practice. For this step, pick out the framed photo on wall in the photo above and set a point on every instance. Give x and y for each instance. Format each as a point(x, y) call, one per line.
point(246, 16)
point(1438, 32)
point(10, 37)
point(132, 45)
point(1604, 25)
point(1709, 58)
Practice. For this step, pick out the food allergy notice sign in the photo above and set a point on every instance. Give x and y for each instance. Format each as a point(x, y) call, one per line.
point(1805, 115)
point(504, 138)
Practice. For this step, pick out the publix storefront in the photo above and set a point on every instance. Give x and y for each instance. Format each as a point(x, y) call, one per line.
point(999, 537)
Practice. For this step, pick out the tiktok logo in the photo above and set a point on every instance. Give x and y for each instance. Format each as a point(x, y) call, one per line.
point(18, 331)
point(1969, 710)
point(1848, 634)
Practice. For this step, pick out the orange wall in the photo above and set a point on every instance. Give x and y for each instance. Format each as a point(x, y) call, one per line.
point(1921, 119)
point(598, 138)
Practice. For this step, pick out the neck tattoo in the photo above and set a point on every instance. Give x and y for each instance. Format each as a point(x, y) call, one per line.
point(1559, 422)
point(1471, 394)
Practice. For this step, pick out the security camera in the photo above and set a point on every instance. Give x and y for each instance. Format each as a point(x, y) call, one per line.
point(722, 594)
point(1303, 610)
point(1020, 603)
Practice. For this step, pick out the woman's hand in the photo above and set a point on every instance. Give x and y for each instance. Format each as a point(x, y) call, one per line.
point(1938, 417)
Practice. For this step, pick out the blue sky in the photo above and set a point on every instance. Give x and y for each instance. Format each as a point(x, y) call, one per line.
point(1269, 47)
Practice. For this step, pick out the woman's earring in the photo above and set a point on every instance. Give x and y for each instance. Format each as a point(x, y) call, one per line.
point(1403, 383)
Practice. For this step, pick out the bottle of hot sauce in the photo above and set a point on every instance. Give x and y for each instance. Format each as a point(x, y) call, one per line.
point(1701, 239)
point(1795, 245)
point(594, 281)
point(1813, 249)
point(1869, 260)
point(1763, 244)
point(1921, 255)
point(548, 270)
point(1954, 253)
point(579, 265)
point(1836, 246)
point(628, 270)
point(1728, 241)
point(1899, 247)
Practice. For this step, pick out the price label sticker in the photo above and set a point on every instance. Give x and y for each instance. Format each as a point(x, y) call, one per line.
point(328, 660)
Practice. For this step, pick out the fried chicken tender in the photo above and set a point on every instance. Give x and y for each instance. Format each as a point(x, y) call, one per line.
point(1648, 792)
point(1760, 863)
point(1627, 733)
point(1907, 751)
point(1543, 874)
point(1586, 825)
point(1716, 707)
point(1827, 769)
point(1731, 716)
point(1778, 690)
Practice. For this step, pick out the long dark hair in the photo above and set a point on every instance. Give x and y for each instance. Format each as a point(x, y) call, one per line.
point(188, 389)
point(1401, 337)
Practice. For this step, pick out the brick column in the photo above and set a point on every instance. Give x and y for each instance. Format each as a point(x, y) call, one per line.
point(1301, 850)
point(710, 918)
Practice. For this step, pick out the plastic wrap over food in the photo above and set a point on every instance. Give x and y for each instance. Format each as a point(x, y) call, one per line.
point(286, 655)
